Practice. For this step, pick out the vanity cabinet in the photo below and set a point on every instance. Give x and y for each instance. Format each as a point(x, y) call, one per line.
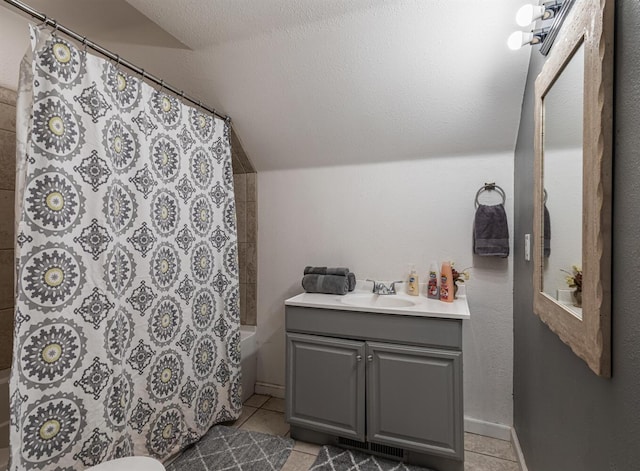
point(385, 383)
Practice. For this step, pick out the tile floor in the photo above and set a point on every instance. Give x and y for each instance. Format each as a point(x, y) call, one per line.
point(266, 414)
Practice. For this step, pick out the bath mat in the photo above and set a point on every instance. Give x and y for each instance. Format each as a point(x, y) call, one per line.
point(331, 458)
point(229, 449)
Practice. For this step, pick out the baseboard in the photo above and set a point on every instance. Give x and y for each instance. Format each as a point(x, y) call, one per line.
point(516, 446)
point(488, 429)
point(269, 389)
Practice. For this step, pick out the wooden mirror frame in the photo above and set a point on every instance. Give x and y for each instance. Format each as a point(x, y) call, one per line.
point(590, 23)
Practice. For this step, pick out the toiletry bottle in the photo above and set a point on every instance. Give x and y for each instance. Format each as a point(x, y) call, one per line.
point(413, 285)
point(432, 285)
point(446, 283)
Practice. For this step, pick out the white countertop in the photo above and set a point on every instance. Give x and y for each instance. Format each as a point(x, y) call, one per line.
point(422, 306)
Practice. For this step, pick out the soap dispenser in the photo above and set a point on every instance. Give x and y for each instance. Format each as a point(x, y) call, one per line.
point(432, 284)
point(446, 283)
point(413, 285)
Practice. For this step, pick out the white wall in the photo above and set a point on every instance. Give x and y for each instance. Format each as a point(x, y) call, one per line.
point(376, 219)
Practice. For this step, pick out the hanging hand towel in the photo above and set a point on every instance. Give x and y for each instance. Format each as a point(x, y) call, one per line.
point(490, 231)
point(547, 232)
point(328, 284)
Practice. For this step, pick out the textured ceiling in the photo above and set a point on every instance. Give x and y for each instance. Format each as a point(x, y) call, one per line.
point(204, 23)
point(329, 82)
point(311, 83)
point(107, 20)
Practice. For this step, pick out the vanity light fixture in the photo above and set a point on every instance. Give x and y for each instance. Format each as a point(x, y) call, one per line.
point(554, 10)
point(517, 39)
point(527, 14)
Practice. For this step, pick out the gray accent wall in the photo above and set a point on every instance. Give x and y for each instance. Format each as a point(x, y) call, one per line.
point(565, 416)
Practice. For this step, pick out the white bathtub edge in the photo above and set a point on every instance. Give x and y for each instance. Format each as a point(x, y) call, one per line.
point(248, 360)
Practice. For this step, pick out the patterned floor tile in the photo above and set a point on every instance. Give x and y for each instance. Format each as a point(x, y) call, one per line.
point(257, 400)
point(266, 421)
point(298, 461)
point(478, 462)
point(489, 446)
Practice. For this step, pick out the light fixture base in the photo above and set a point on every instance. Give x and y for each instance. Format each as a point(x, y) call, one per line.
point(553, 31)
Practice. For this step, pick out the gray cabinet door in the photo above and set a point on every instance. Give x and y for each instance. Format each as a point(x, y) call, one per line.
point(325, 385)
point(414, 398)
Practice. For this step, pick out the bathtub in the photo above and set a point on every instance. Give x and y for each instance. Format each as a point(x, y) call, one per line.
point(249, 360)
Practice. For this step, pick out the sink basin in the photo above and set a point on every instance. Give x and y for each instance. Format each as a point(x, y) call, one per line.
point(375, 300)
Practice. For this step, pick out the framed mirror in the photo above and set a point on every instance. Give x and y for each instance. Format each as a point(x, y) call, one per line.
point(572, 200)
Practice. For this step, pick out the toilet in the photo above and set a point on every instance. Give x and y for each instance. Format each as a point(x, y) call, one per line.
point(130, 463)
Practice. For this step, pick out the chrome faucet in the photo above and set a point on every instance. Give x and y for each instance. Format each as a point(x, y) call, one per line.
point(381, 288)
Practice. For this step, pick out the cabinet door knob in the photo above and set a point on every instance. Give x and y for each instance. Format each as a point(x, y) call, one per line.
point(358, 357)
point(369, 357)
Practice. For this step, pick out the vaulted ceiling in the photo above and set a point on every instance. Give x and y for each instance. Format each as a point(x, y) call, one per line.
point(331, 82)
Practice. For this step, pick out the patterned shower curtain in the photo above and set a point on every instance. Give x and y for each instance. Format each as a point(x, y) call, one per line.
point(127, 311)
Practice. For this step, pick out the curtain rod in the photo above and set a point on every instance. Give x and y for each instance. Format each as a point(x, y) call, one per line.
point(105, 52)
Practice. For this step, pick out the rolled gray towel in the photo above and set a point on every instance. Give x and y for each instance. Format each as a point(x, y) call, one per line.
point(326, 271)
point(328, 284)
point(490, 231)
point(351, 280)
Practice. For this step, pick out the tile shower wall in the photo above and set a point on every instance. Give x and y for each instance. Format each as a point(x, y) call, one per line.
point(244, 177)
point(7, 187)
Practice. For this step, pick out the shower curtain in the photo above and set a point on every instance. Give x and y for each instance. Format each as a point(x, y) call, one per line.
point(127, 312)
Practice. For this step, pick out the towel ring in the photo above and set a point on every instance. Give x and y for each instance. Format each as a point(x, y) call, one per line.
point(491, 187)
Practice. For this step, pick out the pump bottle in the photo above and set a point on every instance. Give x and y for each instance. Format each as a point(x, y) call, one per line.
point(446, 283)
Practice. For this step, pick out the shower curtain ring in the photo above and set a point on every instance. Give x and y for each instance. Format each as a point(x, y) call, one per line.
point(84, 43)
point(55, 27)
point(182, 96)
point(118, 62)
point(44, 22)
point(161, 85)
point(143, 74)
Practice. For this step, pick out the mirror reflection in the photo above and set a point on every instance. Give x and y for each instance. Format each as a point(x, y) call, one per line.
point(562, 170)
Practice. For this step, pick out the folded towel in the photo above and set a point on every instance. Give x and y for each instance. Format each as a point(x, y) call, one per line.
point(326, 271)
point(490, 231)
point(328, 284)
point(351, 280)
point(547, 232)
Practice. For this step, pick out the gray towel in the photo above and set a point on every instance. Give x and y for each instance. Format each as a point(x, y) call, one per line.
point(328, 284)
point(351, 279)
point(325, 271)
point(490, 231)
point(547, 232)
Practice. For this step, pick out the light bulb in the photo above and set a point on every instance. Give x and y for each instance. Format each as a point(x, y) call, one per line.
point(527, 14)
point(517, 39)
